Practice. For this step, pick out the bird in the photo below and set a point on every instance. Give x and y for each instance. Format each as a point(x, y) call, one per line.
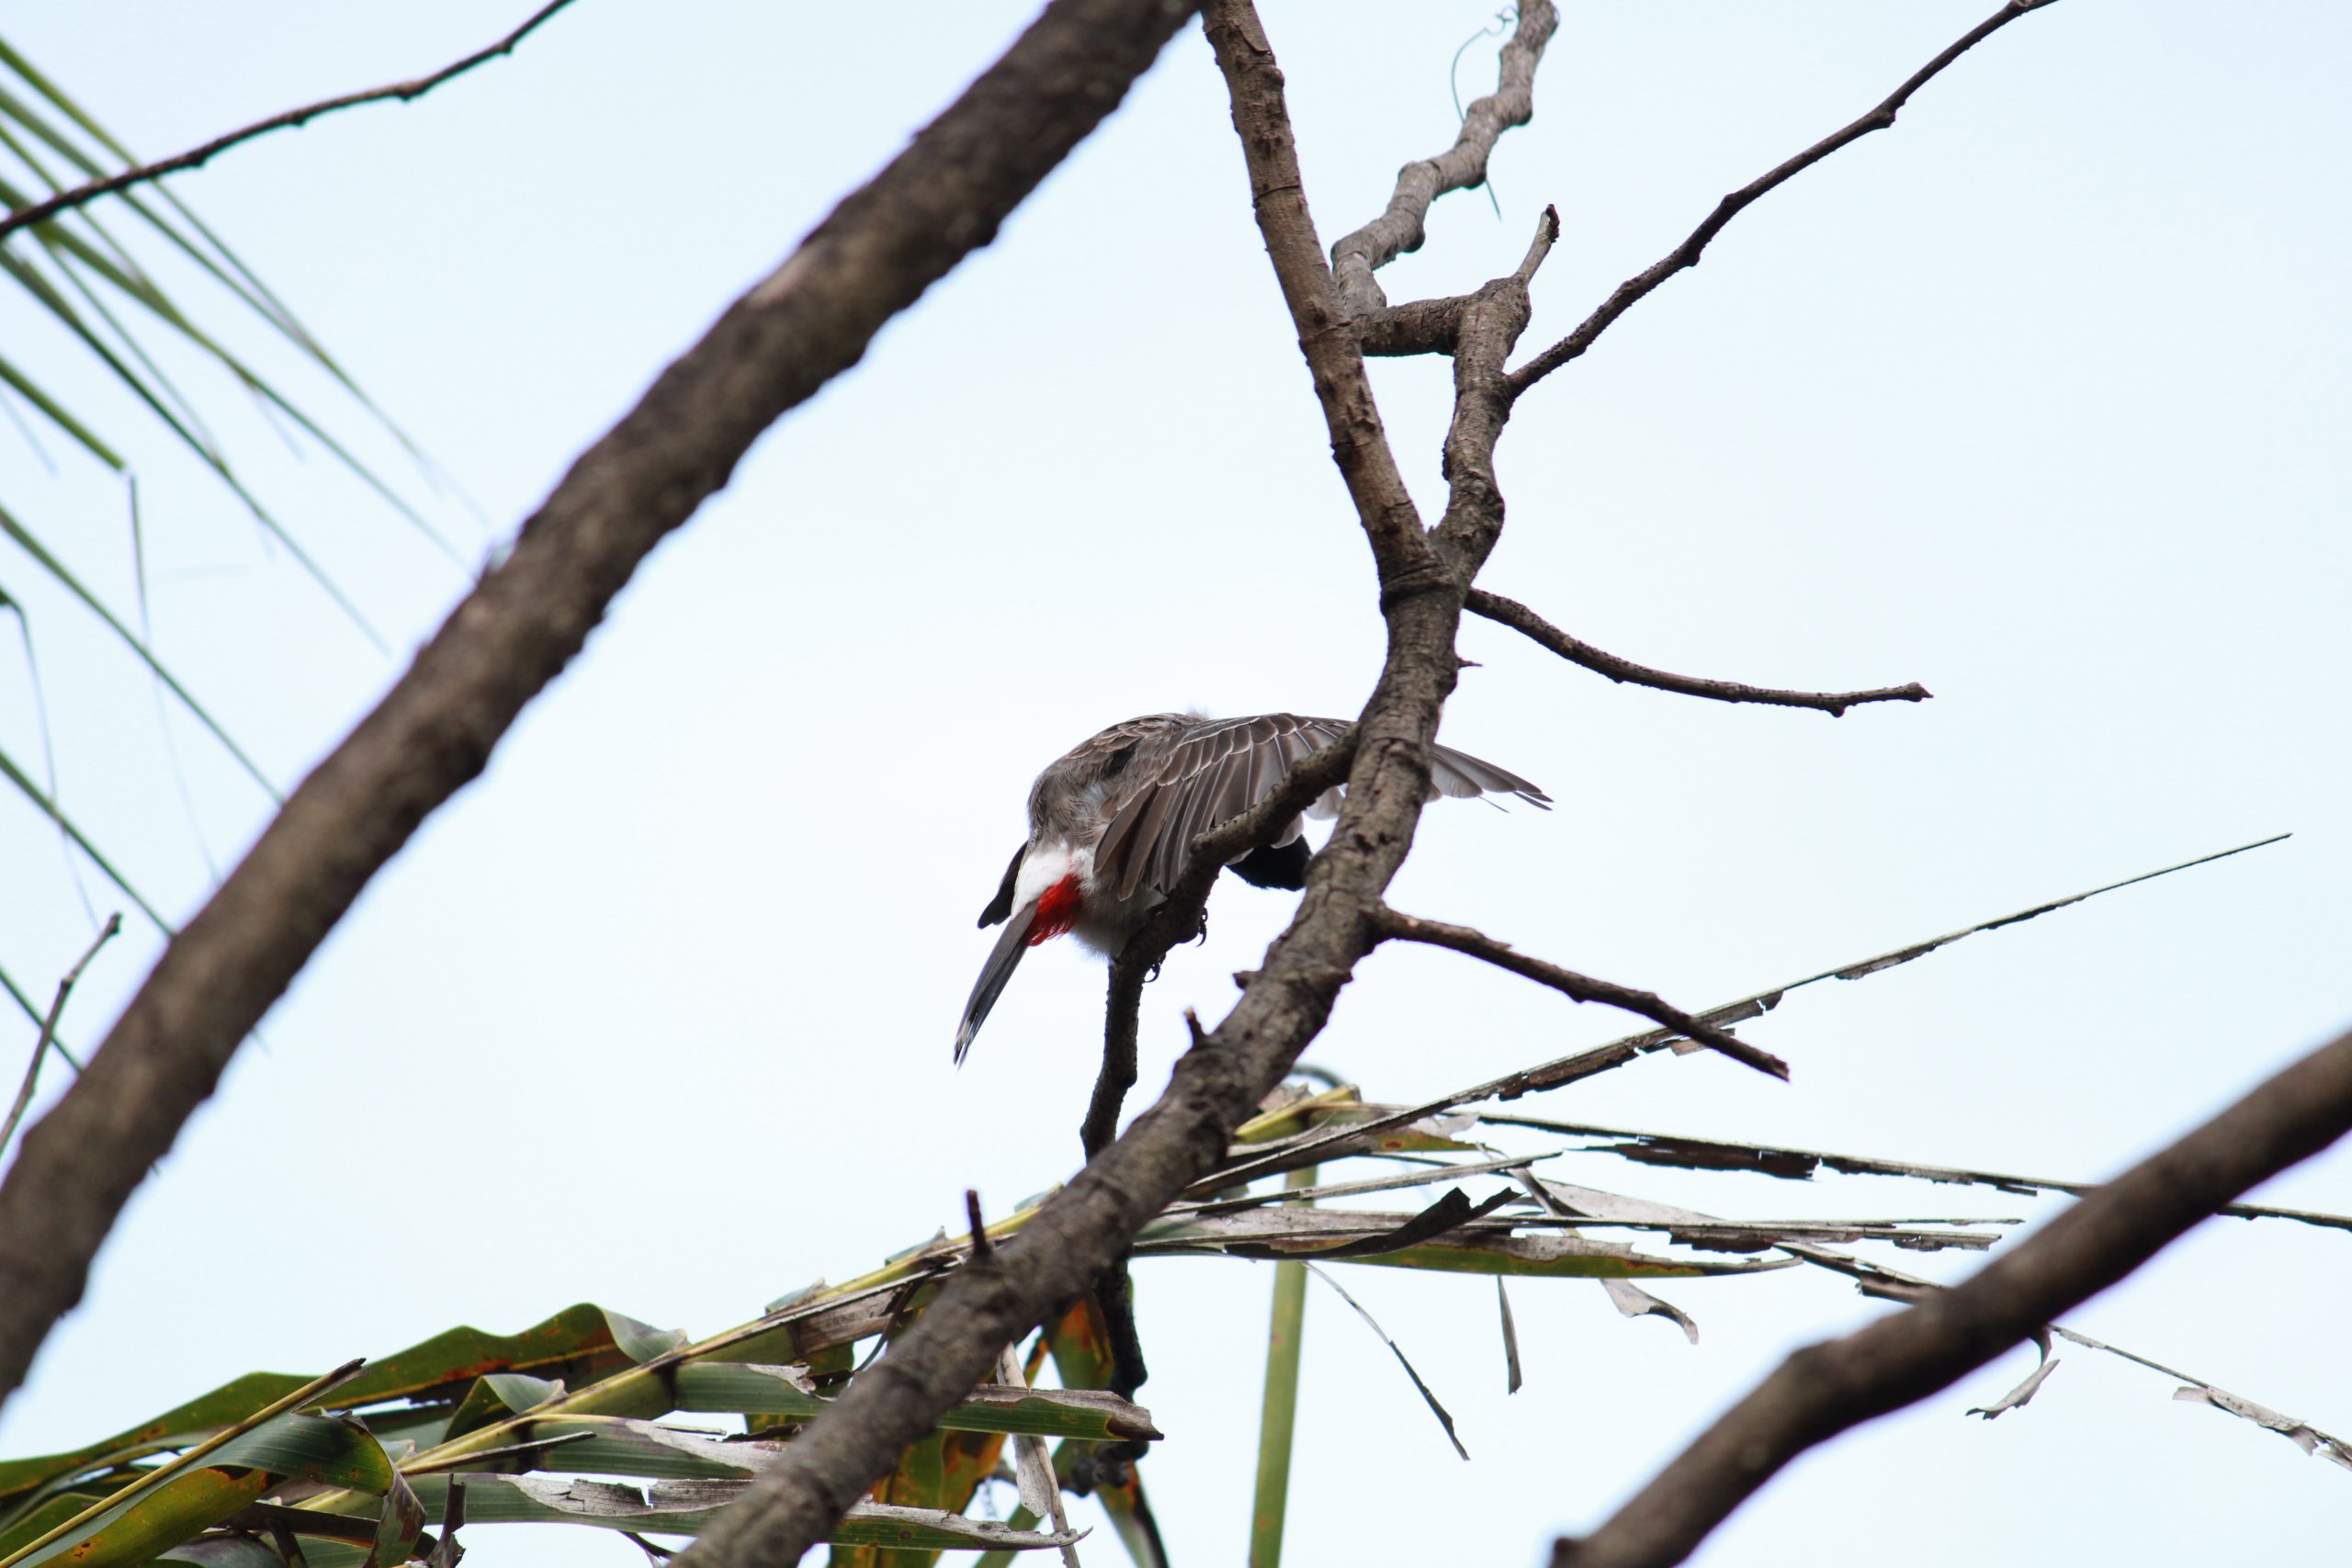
point(1111, 821)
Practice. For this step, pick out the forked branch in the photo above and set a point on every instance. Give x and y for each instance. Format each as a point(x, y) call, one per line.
point(1086, 1226)
point(1686, 253)
point(1520, 618)
point(1828, 1389)
point(1579, 988)
point(1460, 167)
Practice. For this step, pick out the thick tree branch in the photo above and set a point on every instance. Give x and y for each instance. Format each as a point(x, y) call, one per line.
point(1359, 442)
point(811, 319)
point(1461, 166)
point(1425, 326)
point(1086, 1226)
point(195, 157)
point(1829, 1388)
point(1520, 618)
point(1686, 254)
point(1579, 988)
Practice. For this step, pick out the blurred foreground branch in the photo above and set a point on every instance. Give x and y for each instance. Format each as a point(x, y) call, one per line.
point(805, 322)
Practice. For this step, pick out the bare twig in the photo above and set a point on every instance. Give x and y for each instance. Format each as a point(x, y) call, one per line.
point(1579, 988)
point(82, 195)
point(982, 1248)
point(1686, 253)
point(1520, 618)
point(48, 1036)
point(1830, 1388)
point(1460, 167)
point(1359, 442)
point(873, 256)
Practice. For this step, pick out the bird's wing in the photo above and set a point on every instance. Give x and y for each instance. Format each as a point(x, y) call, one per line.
point(1207, 773)
point(1459, 776)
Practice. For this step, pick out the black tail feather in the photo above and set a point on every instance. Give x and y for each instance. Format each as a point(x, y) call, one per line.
point(1276, 865)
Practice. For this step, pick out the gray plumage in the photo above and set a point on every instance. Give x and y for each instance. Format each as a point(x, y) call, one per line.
point(1115, 817)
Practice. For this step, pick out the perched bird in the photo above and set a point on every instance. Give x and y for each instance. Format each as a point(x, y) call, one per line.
point(1110, 824)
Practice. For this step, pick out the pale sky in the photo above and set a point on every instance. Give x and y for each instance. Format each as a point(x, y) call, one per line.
point(2037, 398)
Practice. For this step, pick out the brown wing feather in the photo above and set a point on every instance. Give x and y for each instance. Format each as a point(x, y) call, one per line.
point(1210, 774)
point(1191, 781)
point(1126, 842)
point(1461, 776)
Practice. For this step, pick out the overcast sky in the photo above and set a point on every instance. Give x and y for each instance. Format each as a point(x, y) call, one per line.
point(2039, 399)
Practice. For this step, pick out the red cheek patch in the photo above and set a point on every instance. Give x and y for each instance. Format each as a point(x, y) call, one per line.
point(1057, 912)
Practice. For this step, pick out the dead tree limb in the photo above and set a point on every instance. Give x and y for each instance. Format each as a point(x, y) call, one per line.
point(1579, 988)
point(1828, 1389)
point(807, 321)
point(1686, 253)
point(196, 157)
point(1084, 1227)
point(1520, 618)
point(1461, 166)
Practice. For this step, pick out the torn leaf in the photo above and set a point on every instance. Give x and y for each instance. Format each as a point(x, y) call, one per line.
point(1635, 1302)
point(2017, 1397)
point(1510, 1338)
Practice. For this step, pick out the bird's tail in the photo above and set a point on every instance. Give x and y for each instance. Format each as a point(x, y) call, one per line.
point(1003, 958)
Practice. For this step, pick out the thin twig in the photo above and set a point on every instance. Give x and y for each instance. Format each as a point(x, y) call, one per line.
point(49, 1030)
point(1520, 618)
point(1579, 988)
point(982, 1248)
point(1828, 1389)
point(141, 174)
point(1686, 254)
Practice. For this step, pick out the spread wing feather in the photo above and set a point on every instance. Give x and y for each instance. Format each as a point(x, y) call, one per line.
point(1188, 782)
